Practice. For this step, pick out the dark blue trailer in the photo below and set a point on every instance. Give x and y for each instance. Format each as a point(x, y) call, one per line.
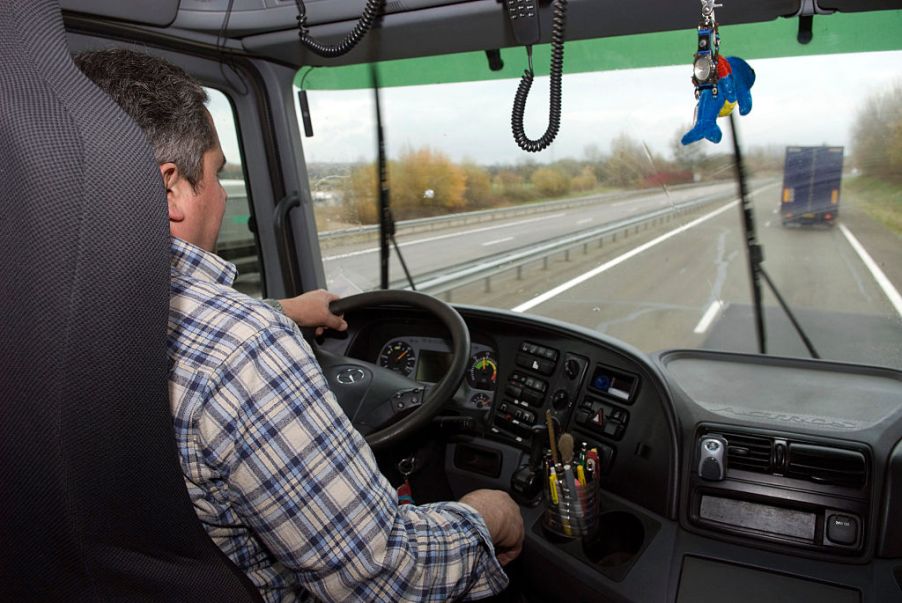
point(811, 183)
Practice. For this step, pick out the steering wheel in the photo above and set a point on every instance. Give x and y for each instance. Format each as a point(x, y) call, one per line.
point(382, 404)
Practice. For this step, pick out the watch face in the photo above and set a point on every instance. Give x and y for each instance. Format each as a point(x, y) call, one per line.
point(702, 68)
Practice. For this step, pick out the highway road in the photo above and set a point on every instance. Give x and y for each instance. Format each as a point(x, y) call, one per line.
point(684, 283)
point(429, 252)
point(692, 290)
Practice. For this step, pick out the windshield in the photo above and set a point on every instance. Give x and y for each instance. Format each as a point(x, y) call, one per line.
point(618, 227)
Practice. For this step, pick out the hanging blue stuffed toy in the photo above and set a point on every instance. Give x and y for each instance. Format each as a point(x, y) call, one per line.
point(720, 83)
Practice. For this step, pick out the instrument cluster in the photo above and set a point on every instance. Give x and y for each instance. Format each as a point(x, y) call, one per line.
point(427, 359)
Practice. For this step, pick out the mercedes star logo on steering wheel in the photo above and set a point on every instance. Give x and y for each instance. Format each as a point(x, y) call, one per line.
point(351, 375)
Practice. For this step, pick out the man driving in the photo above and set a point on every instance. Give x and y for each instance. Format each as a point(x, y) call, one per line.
point(279, 477)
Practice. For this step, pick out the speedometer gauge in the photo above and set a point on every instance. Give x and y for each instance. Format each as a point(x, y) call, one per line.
point(398, 356)
point(483, 371)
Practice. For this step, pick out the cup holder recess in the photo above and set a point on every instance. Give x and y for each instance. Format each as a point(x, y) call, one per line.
point(619, 538)
point(617, 541)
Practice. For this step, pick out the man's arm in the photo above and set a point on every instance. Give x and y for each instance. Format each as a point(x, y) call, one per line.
point(311, 309)
point(502, 518)
point(307, 483)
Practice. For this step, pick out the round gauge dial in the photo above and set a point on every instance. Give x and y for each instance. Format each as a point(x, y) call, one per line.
point(483, 371)
point(480, 401)
point(398, 356)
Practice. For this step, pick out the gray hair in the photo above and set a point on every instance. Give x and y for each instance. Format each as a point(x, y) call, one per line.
point(166, 102)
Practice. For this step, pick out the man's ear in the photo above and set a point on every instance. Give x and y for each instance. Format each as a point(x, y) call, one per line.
point(174, 184)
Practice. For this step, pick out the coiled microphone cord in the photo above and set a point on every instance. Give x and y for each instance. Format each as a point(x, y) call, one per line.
point(372, 10)
point(556, 71)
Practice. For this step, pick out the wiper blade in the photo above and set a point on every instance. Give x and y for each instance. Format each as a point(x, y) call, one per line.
point(386, 220)
point(755, 254)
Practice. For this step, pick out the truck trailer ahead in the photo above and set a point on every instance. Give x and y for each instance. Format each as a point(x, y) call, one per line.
point(811, 183)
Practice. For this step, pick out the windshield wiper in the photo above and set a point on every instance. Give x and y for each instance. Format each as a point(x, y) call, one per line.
point(755, 254)
point(386, 220)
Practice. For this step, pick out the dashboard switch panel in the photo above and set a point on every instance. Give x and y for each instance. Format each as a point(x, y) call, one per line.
point(539, 350)
point(540, 359)
point(530, 382)
point(602, 418)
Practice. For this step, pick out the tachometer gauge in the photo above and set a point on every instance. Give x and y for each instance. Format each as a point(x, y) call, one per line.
point(398, 356)
point(483, 371)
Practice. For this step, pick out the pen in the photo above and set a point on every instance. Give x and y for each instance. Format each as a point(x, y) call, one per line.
point(549, 421)
point(593, 464)
point(581, 475)
point(552, 486)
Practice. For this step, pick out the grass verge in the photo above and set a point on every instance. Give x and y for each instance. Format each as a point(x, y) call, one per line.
point(879, 199)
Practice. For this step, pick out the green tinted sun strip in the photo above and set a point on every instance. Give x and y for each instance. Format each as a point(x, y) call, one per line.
point(838, 33)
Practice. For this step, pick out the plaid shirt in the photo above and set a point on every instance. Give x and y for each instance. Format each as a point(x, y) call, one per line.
point(280, 479)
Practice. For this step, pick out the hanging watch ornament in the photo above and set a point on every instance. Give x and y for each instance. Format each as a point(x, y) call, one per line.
point(720, 83)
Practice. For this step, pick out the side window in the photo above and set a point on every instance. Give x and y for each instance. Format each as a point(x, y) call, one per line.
point(236, 241)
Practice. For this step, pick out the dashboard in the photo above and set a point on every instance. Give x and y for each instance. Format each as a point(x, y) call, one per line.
point(809, 481)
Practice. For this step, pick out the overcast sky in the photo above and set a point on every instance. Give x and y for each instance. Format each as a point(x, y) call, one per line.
point(804, 100)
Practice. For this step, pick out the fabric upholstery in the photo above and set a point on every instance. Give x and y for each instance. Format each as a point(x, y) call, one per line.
point(93, 504)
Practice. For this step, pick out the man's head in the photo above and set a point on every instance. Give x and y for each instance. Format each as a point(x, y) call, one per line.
point(168, 105)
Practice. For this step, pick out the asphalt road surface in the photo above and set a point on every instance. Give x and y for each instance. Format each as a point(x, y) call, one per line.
point(692, 289)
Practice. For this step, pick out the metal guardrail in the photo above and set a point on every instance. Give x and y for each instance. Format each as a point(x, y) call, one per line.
point(371, 232)
point(444, 281)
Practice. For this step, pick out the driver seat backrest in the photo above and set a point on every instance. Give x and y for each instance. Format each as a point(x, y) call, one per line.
point(93, 505)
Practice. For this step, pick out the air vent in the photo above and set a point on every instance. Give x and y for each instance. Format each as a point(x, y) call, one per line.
point(752, 453)
point(826, 465)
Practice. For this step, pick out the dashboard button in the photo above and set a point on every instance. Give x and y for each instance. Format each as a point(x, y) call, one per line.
point(560, 400)
point(842, 529)
point(540, 365)
point(597, 419)
point(620, 415)
point(613, 429)
point(571, 369)
point(533, 398)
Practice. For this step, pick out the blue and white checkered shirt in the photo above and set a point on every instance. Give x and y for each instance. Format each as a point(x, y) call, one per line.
point(280, 479)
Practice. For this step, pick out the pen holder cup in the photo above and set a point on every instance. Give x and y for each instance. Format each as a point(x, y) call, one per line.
point(576, 512)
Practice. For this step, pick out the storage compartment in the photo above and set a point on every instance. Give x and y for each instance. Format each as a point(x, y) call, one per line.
point(758, 518)
point(706, 580)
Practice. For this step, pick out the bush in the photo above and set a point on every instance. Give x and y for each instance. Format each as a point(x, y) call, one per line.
point(877, 135)
point(478, 192)
point(585, 180)
point(551, 182)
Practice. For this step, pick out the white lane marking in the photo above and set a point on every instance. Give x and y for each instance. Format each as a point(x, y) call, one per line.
point(767, 224)
point(585, 220)
point(496, 241)
point(894, 298)
point(539, 299)
point(775, 210)
point(708, 316)
point(445, 236)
